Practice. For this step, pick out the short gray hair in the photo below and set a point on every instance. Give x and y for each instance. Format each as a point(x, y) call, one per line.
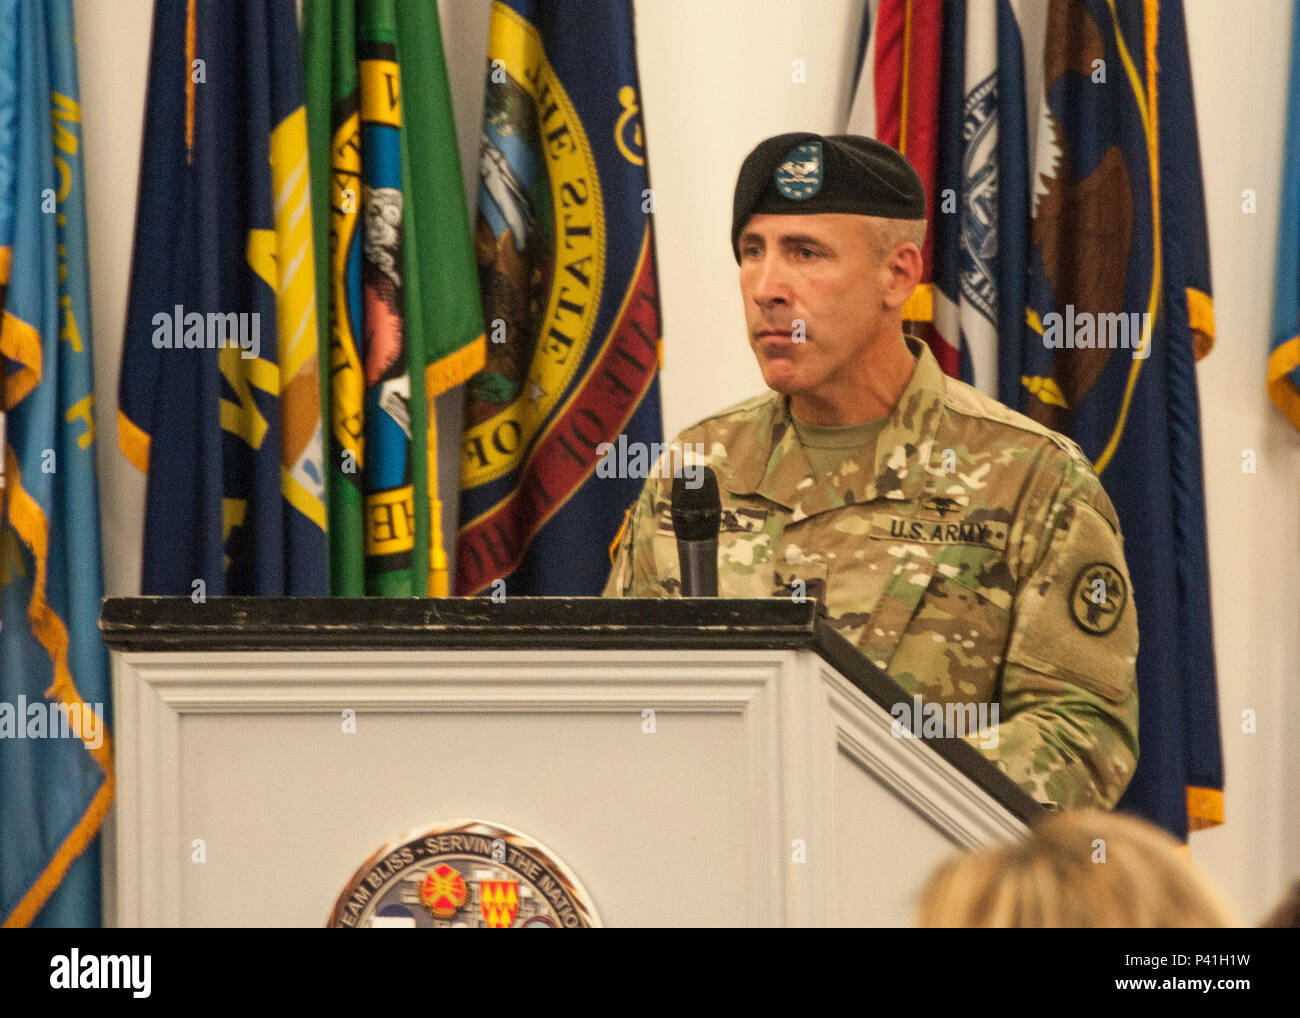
point(887, 234)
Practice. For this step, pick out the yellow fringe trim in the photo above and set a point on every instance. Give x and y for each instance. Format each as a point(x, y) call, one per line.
point(191, 43)
point(20, 342)
point(456, 368)
point(622, 529)
point(29, 522)
point(73, 845)
point(437, 581)
point(134, 442)
point(1283, 392)
point(920, 306)
point(437, 553)
point(1204, 808)
point(1200, 316)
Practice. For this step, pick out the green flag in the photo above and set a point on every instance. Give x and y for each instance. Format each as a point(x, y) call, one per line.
point(397, 283)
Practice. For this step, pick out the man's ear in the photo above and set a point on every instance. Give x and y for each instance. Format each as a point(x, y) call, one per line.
point(902, 274)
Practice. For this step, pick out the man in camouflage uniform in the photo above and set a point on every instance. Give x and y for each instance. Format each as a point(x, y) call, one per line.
point(966, 550)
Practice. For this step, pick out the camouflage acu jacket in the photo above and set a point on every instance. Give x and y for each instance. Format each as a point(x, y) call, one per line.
point(972, 555)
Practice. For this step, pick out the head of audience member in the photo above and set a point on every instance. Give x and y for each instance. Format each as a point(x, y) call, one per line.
point(1286, 913)
point(1082, 868)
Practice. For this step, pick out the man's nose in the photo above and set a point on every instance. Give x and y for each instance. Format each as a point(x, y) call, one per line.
point(771, 284)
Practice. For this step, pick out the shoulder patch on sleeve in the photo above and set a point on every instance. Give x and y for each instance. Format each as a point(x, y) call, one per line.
point(1076, 621)
point(1098, 598)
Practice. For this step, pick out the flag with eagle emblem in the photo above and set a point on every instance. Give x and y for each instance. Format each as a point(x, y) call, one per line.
point(1119, 310)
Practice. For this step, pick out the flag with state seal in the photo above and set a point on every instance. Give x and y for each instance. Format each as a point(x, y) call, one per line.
point(565, 250)
point(397, 284)
point(219, 397)
point(1118, 312)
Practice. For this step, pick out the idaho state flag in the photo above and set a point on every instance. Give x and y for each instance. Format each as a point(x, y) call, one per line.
point(397, 285)
point(570, 302)
point(220, 387)
point(56, 758)
point(1118, 311)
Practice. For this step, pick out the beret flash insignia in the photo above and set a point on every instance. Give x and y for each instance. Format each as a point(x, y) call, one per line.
point(799, 175)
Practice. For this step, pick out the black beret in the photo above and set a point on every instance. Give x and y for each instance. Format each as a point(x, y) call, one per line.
point(805, 173)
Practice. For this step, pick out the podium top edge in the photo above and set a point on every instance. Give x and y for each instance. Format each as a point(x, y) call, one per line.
point(374, 623)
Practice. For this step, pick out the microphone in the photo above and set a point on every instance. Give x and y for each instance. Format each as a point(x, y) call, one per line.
point(697, 515)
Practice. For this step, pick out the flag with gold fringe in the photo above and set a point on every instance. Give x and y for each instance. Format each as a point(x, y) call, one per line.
point(1119, 309)
point(56, 767)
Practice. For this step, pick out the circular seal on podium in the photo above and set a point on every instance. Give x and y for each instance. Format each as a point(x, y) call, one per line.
point(459, 874)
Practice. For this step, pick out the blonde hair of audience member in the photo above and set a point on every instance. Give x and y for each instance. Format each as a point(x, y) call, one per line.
point(1286, 913)
point(1056, 878)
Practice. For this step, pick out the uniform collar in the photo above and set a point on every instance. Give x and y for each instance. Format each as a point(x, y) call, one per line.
point(894, 469)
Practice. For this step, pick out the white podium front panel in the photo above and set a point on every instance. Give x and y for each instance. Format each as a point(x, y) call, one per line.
point(765, 789)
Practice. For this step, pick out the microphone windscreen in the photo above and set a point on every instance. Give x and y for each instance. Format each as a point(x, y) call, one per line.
point(697, 512)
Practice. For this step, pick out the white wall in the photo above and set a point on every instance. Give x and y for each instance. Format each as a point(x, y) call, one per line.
point(716, 78)
point(113, 61)
point(1240, 55)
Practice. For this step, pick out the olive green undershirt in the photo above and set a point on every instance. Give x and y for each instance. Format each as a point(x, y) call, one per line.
point(827, 447)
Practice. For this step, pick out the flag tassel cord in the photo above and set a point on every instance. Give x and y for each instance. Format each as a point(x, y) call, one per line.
point(29, 522)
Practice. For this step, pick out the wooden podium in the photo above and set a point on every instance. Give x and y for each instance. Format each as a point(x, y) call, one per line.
point(693, 762)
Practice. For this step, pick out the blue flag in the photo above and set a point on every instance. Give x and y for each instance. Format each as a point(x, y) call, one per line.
point(1119, 309)
point(56, 770)
point(220, 388)
point(565, 248)
point(1284, 360)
